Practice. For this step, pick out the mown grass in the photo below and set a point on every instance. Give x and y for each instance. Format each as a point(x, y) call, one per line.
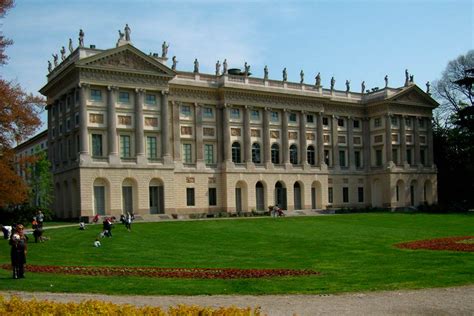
point(353, 253)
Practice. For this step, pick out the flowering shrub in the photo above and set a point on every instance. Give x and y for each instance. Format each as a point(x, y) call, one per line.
point(450, 243)
point(16, 306)
point(188, 273)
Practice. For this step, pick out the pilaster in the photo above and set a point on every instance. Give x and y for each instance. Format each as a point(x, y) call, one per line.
point(403, 141)
point(165, 127)
point(303, 146)
point(335, 143)
point(139, 128)
point(198, 137)
point(83, 132)
point(284, 139)
point(320, 139)
point(366, 142)
point(112, 125)
point(429, 140)
point(350, 144)
point(388, 141)
point(247, 138)
point(267, 155)
point(416, 140)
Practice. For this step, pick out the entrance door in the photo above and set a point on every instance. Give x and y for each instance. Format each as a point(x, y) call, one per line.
point(154, 202)
point(238, 200)
point(99, 200)
point(260, 196)
point(412, 195)
point(313, 198)
point(127, 200)
point(297, 196)
point(280, 196)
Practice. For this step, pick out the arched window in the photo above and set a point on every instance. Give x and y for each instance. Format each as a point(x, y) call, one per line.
point(311, 155)
point(236, 157)
point(293, 154)
point(256, 153)
point(275, 154)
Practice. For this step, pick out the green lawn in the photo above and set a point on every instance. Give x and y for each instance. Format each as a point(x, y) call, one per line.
point(352, 252)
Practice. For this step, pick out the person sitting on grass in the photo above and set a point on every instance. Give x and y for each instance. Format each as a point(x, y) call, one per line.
point(97, 243)
point(82, 226)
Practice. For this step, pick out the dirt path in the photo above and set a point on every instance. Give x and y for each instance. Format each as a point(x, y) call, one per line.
point(441, 301)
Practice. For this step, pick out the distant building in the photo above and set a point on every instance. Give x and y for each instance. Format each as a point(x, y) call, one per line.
point(127, 133)
point(31, 147)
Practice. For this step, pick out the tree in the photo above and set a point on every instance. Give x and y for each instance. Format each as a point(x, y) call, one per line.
point(19, 119)
point(41, 184)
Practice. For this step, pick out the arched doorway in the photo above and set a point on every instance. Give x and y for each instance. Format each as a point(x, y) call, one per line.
point(316, 195)
point(241, 197)
point(428, 192)
point(297, 196)
point(260, 196)
point(100, 196)
point(129, 198)
point(376, 193)
point(280, 195)
point(156, 197)
point(400, 193)
point(414, 200)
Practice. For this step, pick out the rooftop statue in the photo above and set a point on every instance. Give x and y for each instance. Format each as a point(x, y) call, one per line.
point(301, 76)
point(71, 49)
point(412, 78)
point(318, 80)
point(218, 68)
point(55, 58)
point(386, 81)
point(333, 82)
point(63, 53)
point(428, 85)
point(224, 65)
point(121, 35)
point(50, 67)
point(348, 86)
point(173, 67)
point(164, 49)
point(81, 38)
point(363, 87)
point(127, 32)
point(196, 66)
point(285, 75)
point(265, 72)
point(406, 77)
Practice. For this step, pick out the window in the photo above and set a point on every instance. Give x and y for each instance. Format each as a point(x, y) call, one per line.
point(207, 113)
point(358, 160)
point(274, 116)
point(236, 156)
point(377, 122)
point(378, 158)
point(212, 196)
point(235, 114)
point(255, 115)
point(185, 110)
point(293, 154)
point(256, 153)
point(311, 155)
point(397, 189)
point(97, 145)
point(151, 147)
point(209, 154)
point(76, 118)
point(422, 157)
point(345, 195)
point(395, 156)
point(125, 146)
point(356, 124)
point(340, 122)
point(96, 95)
point(310, 118)
point(292, 117)
point(275, 151)
point(394, 121)
point(408, 122)
point(342, 158)
point(330, 195)
point(124, 97)
point(325, 121)
point(326, 157)
point(360, 194)
point(150, 99)
point(421, 123)
point(190, 196)
point(409, 156)
point(187, 153)
point(60, 128)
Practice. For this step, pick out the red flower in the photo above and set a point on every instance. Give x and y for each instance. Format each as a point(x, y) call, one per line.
point(449, 243)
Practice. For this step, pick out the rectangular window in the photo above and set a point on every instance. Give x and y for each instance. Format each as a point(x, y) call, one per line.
point(190, 196)
point(255, 115)
point(345, 195)
point(356, 124)
point(124, 97)
point(125, 146)
point(377, 122)
point(422, 157)
point(274, 116)
point(150, 99)
point(409, 156)
point(340, 122)
point(151, 147)
point(326, 157)
point(360, 194)
point(76, 118)
point(235, 114)
point(395, 156)
point(397, 189)
point(96, 95)
point(185, 110)
point(68, 125)
point(330, 195)
point(325, 121)
point(310, 118)
point(394, 121)
point(212, 196)
point(292, 117)
point(187, 153)
point(378, 158)
point(209, 153)
point(421, 123)
point(342, 158)
point(358, 160)
point(96, 145)
point(207, 113)
point(408, 122)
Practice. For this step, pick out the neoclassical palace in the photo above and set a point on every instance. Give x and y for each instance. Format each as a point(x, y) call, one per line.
point(127, 133)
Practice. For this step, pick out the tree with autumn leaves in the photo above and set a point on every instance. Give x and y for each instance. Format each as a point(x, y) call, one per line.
point(19, 119)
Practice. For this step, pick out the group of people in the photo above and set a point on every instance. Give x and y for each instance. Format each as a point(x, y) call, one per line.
point(276, 211)
point(108, 224)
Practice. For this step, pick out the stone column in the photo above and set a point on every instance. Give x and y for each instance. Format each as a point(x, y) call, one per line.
point(284, 138)
point(176, 131)
point(165, 139)
point(416, 140)
point(403, 141)
point(83, 133)
point(429, 140)
point(198, 136)
point(350, 143)
point(303, 159)
point(219, 119)
point(50, 135)
point(65, 132)
point(57, 139)
point(366, 142)
point(139, 128)
point(388, 140)
point(335, 143)
point(247, 137)
point(320, 139)
point(226, 134)
point(267, 154)
point(112, 125)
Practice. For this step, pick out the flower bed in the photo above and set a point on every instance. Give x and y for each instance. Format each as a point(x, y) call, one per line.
point(450, 243)
point(185, 273)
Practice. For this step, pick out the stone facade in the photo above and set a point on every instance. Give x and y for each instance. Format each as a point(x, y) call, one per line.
point(127, 133)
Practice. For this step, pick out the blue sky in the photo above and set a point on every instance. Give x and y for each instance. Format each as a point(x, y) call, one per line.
point(354, 40)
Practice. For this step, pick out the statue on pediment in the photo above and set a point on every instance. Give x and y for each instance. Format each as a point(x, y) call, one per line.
point(50, 67)
point(173, 67)
point(63, 53)
point(224, 65)
point(164, 49)
point(301, 76)
point(333, 82)
point(127, 32)
point(71, 48)
point(81, 38)
point(407, 80)
point(265, 72)
point(121, 35)
point(218, 68)
point(386, 81)
point(363, 87)
point(55, 59)
point(428, 85)
point(412, 80)
point(348, 86)
point(318, 80)
point(246, 69)
point(285, 75)
point(196, 66)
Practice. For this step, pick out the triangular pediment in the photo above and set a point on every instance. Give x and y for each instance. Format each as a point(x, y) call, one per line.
point(126, 58)
point(413, 95)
